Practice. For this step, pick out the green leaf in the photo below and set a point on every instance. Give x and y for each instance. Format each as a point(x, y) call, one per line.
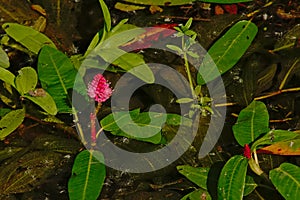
point(7, 76)
point(197, 195)
point(184, 100)
point(88, 175)
point(196, 175)
point(26, 80)
point(227, 51)
point(4, 111)
point(274, 136)
point(28, 37)
point(46, 102)
point(131, 62)
point(225, 1)
point(106, 15)
point(4, 60)
point(128, 8)
point(175, 48)
point(252, 122)
point(10, 122)
point(250, 185)
point(286, 179)
point(232, 178)
point(57, 75)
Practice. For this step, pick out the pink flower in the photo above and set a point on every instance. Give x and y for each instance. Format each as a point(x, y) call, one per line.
point(99, 88)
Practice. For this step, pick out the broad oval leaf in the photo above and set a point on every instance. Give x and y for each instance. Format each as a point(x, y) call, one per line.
point(287, 148)
point(232, 178)
point(252, 122)
point(196, 175)
point(227, 51)
point(88, 175)
point(27, 36)
point(4, 60)
point(57, 75)
point(286, 179)
point(10, 122)
point(26, 80)
point(46, 102)
point(7, 76)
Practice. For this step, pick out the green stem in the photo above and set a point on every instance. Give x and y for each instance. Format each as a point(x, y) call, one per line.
point(187, 68)
point(79, 128)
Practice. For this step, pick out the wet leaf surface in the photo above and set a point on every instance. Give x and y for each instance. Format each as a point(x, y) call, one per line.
point(23, 174)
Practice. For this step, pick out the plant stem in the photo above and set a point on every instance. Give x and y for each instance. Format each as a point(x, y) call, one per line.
point(79, 128)
point(277, 92)
point(187, 67)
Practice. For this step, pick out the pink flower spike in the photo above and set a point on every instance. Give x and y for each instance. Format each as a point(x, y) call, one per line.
point(99, 88)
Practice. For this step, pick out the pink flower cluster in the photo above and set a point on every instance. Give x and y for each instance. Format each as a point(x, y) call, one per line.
point(99, 88)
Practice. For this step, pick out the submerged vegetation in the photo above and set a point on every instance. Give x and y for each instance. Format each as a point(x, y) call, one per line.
point(60, 112)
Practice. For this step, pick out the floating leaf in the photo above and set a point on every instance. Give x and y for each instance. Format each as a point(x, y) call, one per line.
point(196, 175)
point(227, 51)
point(27, 172)
point(286, 179)
point(46, 102)
point(252, 122)
point(197, 195)
point(4, 60)
point(27, 36)
point(26, 80)
point(10, 122)
point(232, 178)
point(88, 174)
point(57, 76)
point(7, 76)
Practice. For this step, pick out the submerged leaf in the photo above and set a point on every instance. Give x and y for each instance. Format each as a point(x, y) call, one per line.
point(227, 51)
point(27, 36)
point(88, 174)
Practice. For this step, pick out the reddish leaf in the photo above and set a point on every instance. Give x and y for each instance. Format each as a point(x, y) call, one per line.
point(231, 9)
point(288, 148)
point(219, 10)
point(149, 37)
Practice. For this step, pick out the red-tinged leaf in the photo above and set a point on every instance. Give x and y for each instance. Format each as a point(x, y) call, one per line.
point(231, 9)
point(219, 10)
point(287, 148)
point(150, 37)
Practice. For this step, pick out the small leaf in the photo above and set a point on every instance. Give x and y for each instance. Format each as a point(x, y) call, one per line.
point(227, 51)
point(198, 194)
point(10, 122)
point(88, 175)
point(57, 75)
point(192, 54)
point(184, 100)
point(46, 102)
point(252, 122)
point(175, 48)
point(232, 178)
point(250, 185)
point(196, 175)
point(4, 60)
point(128, 8)
point(28, 37)
point(286, 179)
point(7, 76)
point(26, 80)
